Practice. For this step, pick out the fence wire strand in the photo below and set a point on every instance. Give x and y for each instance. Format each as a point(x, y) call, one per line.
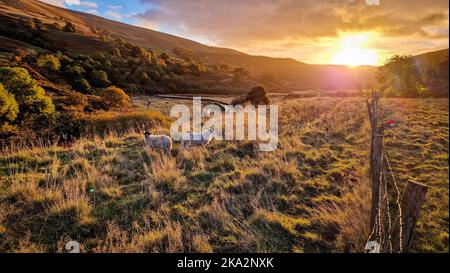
point(398, 199)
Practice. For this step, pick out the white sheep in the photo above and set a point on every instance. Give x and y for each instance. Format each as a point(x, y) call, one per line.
point(162, 142)
point(197, 139)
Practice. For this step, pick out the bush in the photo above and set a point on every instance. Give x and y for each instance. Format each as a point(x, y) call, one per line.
point(116, 97)
point(154, 75)
point(257, 96)
point(69, 27)
point(116, 52)
point(196, 69)
point(49, 62)
point(99, 78)
point(71, 101)
point(82, 85)
point(35, 107)
point(164, 56)
point(74, 72)
point(139, 52)
point(143, 78)
point(8, 108)
point(23, 35)
point(178, 69)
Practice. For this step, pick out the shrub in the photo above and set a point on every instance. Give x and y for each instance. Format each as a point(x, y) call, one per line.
point(8, 108)
point(49, 62)
point(56, 26)
point(154, 75)
point(99, 78)
point(23, 35)
point(257, 96)
point(164, 56)
point(116, 52)
point(82, 85)
point(65, 60)
point(196, 69)
point(139, 52)
point(74, 72)
point(143, 78)
point(116, 97)
point(34, 105)
point(178, 69)
point(69, 27)
point(30, 24)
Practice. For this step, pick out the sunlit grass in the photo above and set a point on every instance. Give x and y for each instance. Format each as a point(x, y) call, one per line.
point(312, 194)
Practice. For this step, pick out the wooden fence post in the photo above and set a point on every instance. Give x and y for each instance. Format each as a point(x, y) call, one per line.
point(376, 170)
point(412, 200)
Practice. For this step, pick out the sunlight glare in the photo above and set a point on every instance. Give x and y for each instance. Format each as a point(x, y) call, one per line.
point(352, 50)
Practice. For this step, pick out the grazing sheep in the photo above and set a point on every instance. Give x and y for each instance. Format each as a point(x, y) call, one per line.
point(197, 139)
point(158, 141)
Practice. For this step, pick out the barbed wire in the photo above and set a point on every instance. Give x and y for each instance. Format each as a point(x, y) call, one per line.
point(398, 201)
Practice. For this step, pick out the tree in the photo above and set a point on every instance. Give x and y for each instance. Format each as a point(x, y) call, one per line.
point(139, 52)
point(8, 109)
point(81, 85)
point(400, 77)
point(196, 69)
point(164, 56)
point(116, 97)
point(154, 75)
point(256, 96)
point(143, 78)
point(74, 72)
point(49, 62)
point(69, 27)
point(99, 78)
point(116, 52)
point(35, 107)
point(178, 69)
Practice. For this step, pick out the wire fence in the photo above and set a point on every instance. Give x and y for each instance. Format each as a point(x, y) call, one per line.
point(383, 232)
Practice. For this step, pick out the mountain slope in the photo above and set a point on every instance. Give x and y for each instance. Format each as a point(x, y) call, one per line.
point(300, 75)
point(431, 59)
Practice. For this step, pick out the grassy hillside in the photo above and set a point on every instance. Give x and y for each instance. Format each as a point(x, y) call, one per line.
point(111, 194)
point(301, 75)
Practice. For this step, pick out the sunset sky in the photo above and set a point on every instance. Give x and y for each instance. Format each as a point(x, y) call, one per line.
point(314, 31)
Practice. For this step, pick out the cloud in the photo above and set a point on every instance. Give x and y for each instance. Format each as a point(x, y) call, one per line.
point(92, 11)
point(63, 3)
point(236, 21)
point(114, 7)
point(59, 3)
point(256, 26)
point(88, 4)
point(114, 15)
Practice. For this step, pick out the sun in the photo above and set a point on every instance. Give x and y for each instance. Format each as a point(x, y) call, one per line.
point(352, 50)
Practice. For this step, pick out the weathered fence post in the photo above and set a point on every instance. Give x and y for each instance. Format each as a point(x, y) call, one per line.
point(376, 172)
point(412, 200)
point(376, 156)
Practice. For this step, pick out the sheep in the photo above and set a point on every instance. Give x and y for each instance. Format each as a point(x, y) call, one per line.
point(197, 139)
point(162, 142)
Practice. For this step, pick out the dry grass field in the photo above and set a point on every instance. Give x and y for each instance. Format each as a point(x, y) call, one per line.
point(312, 194)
